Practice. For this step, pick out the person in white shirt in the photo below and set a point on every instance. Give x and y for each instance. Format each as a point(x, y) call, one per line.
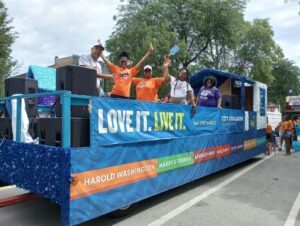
point(181, 89)
point(91, 61)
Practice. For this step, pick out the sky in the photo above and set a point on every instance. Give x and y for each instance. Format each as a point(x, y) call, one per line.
point(49, 28)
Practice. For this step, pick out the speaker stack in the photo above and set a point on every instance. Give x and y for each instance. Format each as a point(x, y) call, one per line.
point(17, 85)
point(50, 132)
point(78, 80)
point(231, 101)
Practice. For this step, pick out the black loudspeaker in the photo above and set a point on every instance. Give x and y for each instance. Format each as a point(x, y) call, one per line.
point(50, 132)
point(32, 129)
point(17, 85)
point(231, 101)
point(5, 129)
point(78, 80)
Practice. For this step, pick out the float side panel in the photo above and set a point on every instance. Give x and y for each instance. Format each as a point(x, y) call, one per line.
point(106, 179)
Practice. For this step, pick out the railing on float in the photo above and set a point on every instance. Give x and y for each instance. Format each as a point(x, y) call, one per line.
point(67, 100)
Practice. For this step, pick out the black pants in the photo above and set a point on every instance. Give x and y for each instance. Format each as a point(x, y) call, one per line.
point(118, 96)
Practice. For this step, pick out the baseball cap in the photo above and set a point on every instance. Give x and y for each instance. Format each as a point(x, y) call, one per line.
point(98, 43)
point(148, 67)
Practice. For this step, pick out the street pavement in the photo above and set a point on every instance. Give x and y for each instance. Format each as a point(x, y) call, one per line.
point(261, 191)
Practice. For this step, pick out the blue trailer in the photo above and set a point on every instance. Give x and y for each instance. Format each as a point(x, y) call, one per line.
point(137, 149)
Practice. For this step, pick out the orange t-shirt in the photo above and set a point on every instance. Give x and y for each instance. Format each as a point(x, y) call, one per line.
point(122, 79)
point(269, 129)
point(146, 89)
point(284, 126)
point(289, 125)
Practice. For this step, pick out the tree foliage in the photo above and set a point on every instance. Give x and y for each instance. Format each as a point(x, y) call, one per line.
point(286, 77)
point(210, 33)
point(7, 37)
point(193, 25)
point(196, 26)
point(256, 50)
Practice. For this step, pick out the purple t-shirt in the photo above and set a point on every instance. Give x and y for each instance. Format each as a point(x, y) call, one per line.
point(208, 97)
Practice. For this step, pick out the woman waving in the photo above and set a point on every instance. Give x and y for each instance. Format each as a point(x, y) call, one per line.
point(123, 75)
point(147, 87)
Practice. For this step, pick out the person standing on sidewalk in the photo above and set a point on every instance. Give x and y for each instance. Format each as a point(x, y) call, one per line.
point(288, 133)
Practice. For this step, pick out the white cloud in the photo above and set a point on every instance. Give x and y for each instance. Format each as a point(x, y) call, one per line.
point(285, 21)
point(49, 28)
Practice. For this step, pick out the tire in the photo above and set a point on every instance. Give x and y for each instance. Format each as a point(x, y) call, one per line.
point(122, 212)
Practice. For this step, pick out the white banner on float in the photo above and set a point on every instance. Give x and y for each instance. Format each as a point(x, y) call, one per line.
point(25, 136)
point(260, 104)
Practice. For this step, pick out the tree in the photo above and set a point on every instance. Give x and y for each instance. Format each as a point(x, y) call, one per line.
point(210, 34)
point(256, 51)
point(7, 37)
point(286, 77)
point(193, 25)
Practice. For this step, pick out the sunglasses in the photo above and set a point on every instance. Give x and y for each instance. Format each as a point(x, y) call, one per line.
point(123, 61)
point(147, 70)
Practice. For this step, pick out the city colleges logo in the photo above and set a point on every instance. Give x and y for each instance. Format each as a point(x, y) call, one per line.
point(231, 120)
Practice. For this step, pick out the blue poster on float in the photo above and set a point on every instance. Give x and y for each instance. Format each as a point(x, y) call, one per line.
point(252, 121)
point(115, 121)
point(262, 102)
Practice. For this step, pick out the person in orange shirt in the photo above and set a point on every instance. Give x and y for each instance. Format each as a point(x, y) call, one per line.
point(147, 87)
point(288, 133)
point(123, 75)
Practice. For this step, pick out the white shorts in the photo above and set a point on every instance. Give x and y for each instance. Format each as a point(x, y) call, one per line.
point(178, 100)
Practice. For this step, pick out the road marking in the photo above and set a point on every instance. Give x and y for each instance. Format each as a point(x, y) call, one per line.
point(7, 187)
point(290, 221)
point(165, 218)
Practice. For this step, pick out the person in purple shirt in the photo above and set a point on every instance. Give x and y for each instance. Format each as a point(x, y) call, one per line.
point(209, 95)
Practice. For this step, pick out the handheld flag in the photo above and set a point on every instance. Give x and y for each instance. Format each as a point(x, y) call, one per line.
point(174, 50)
